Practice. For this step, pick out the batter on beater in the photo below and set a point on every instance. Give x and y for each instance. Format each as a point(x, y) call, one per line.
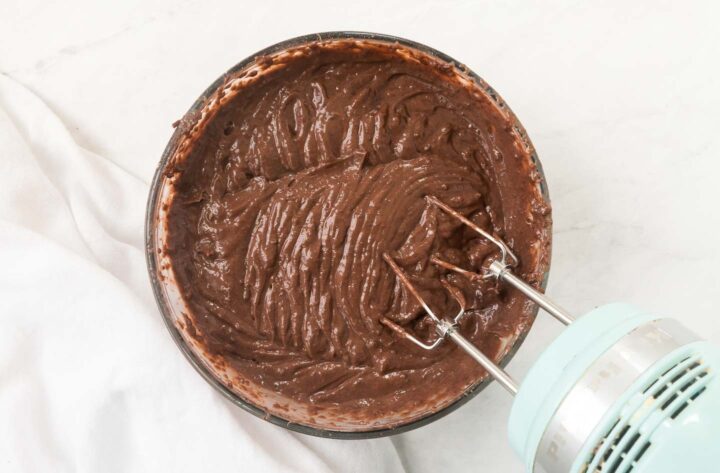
point(297, 187)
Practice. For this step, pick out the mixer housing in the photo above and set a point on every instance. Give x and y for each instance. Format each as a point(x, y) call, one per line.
point(620, 391)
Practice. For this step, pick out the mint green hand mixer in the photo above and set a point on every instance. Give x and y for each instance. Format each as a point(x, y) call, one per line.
point(620, 390)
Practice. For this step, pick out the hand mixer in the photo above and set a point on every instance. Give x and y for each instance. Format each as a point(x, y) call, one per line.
point(620, 390)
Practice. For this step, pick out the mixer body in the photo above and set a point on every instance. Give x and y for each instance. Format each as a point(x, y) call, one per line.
point(620, 390)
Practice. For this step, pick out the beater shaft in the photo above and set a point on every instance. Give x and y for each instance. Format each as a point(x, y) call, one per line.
point(499, 374)
point(504, 274)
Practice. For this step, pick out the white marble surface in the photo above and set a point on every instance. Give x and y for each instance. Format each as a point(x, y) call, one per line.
point(620, 98)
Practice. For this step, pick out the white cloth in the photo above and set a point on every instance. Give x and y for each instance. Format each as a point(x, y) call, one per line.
point(89, 379)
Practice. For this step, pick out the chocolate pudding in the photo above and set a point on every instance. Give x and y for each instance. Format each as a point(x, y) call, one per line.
point(289, 189)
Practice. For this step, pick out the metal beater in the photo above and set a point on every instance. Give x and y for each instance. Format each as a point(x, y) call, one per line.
point(619, 391)
point(500, 270)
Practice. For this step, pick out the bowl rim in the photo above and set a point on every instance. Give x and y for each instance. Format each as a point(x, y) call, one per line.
point(151, 249)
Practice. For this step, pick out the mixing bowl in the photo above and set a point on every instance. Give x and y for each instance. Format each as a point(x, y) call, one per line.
point(255, 399)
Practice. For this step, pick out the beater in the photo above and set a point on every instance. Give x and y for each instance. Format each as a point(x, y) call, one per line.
point(619, 391)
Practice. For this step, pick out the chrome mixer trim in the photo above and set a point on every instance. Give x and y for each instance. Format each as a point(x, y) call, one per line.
point(599, 388)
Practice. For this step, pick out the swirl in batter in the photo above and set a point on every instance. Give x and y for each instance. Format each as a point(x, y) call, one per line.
point(295, 189)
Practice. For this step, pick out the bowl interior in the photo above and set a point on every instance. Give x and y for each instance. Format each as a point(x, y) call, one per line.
point(256, 399)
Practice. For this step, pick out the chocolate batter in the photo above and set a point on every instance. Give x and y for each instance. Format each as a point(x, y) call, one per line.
point(292, 192)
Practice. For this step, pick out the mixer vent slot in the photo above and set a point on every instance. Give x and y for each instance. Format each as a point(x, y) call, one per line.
point(624, 458)
point(679, 384)
point(629, 438)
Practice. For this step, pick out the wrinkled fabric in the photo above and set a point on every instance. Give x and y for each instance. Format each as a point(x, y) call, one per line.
point(89, 379)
